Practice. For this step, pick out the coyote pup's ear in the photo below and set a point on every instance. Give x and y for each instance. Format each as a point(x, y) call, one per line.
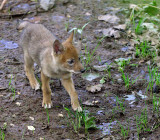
point(57, 47)
point(70, 39)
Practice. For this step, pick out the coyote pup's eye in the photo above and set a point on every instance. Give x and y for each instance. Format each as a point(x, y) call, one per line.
point(71, 61)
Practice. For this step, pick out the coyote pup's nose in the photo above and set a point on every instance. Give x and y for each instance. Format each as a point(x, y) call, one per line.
point(82, 70)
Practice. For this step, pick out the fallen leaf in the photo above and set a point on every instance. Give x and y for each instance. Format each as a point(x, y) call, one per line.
point(95, 88)
point(109, 18)
point(110, 32)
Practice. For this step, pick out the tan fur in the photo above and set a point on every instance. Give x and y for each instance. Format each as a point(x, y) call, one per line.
point(55, 59)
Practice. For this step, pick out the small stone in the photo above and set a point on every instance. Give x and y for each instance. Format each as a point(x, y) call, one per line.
point(95, 102)
point(60, 115)
point(31, 128)
point(31, 118)
point(18, 103)
point(47, 4)
point(12, 125)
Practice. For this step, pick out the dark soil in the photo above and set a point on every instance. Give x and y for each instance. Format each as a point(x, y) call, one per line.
point(74, 14)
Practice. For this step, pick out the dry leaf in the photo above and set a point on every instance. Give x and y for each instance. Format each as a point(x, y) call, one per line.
point(110, 32)
point(109, 18)
point(95, 88)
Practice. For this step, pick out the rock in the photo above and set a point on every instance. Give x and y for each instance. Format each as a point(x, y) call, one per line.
point(110, 32)
point(88, 103)
point(47, 4)
point(100, 68)
point(57, 19)
point(90, 76)
point(31, 128)
point(109, 18)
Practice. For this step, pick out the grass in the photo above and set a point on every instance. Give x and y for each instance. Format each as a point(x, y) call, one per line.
point(154, 77)
point(128, 82)
point(2, 135)
point(144, 50)
point(156, 105)
point(89, 55)
point(80, 120)
point(122, 62)
point(119, 105)
point(47, 115)
point(142, 122)
point(11, 87)
point(108, 69)
point(79, 30)
point(124, 130)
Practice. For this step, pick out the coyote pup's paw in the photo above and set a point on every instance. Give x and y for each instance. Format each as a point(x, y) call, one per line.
point(46, 104)
point(77, 107)
point(35, 85)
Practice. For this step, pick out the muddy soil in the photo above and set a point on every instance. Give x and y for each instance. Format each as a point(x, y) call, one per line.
point(25, 109)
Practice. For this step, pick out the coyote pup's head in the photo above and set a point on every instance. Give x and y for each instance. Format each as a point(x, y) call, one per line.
point(68, 56)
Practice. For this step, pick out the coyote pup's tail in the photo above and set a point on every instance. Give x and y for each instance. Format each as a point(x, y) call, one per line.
point(23, 25)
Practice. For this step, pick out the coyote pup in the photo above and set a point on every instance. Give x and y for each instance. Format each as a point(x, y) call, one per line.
point(56, 59)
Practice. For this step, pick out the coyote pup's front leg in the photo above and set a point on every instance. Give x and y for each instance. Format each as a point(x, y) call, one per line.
point(46, 91)
point(69, 86)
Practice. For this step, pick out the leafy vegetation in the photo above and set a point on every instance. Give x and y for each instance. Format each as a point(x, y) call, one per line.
point(81, 120)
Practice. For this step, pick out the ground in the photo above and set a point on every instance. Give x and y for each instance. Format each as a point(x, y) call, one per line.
point(20, 106)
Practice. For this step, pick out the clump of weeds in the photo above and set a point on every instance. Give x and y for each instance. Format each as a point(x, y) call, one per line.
point(12, 88)
point(124, 130)
point(142, 122)
point(143, 50)
point(81, 120)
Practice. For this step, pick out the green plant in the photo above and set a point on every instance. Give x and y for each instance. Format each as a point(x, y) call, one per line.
point(66, 26)
point(138, 29)
point(12, 88)
point(47, 115)
point(142, 122)
point(152, 77)
point(124, 131)
point(127, 80)
point(119, 104)
point(2, 135)
point(144, 50)
point(156, 104)
point(122, 62)
point(89, 54)
point(108, 69)
point(81, 120)
point(79, 30)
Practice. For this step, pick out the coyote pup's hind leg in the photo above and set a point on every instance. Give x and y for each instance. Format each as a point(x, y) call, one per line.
point(28, 66)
